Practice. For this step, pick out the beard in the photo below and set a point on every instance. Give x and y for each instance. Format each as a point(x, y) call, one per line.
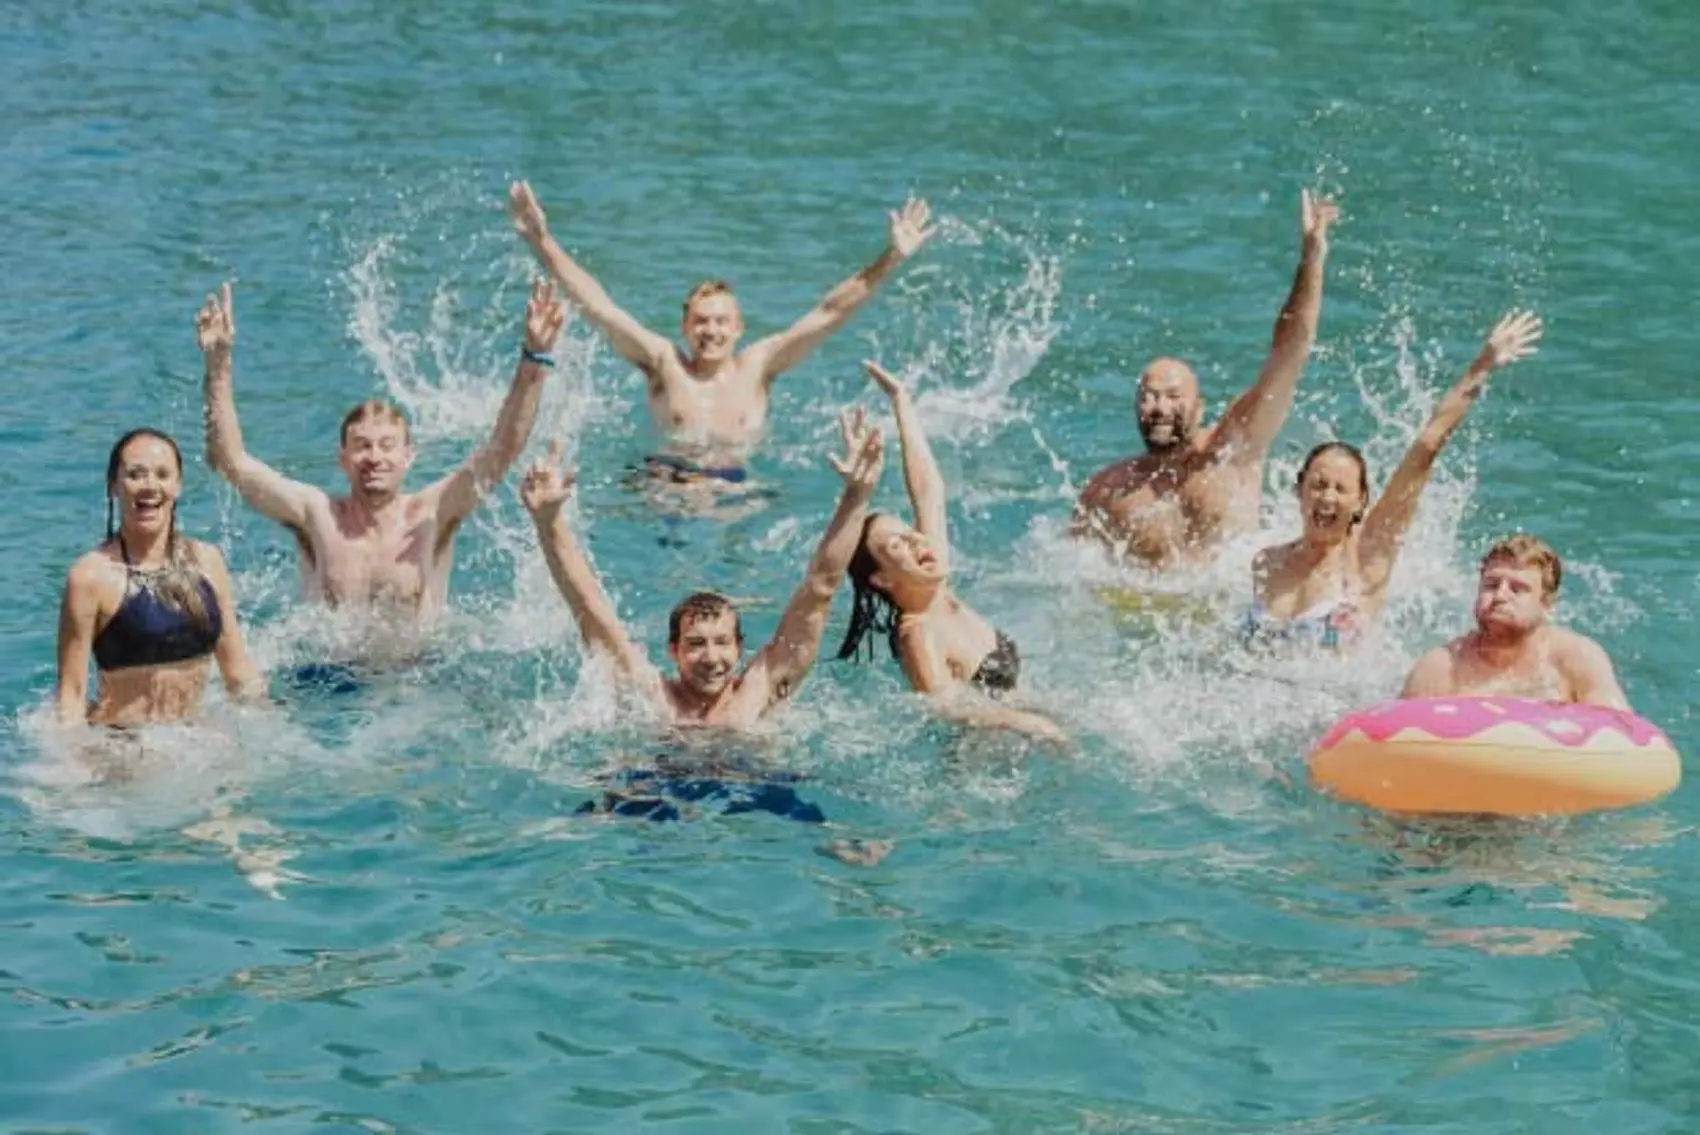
point(1159, 439)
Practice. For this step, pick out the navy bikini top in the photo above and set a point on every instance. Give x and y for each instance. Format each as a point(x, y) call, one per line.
point(146, 631)
point(1001, 669)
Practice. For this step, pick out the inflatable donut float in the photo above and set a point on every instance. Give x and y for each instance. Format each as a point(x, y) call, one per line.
point(1494, 756)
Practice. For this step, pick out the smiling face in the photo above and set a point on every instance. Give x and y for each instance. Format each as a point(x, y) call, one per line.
point(376, 455)
point(707, 651)
point(903, 558)
point(1332, 494)
point(712, 325)
point(147, 479)
point(1169, 406)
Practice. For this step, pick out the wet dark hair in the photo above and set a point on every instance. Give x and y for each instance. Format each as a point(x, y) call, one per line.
point(872, 610)
point(702, 605)
point(1349, 450)
point(178, 585)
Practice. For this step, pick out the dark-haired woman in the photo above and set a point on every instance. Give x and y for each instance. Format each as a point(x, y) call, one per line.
point(150, 604)
point(1325, 588)
point(901, 581)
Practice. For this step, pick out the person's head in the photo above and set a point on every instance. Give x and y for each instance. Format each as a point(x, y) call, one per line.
point(894, 569)
point(144, 478)
point(705, 641)
point(1333, 488)
point(1518, 586)
point(376, 449)
point(1169, 405)
point(712, 322)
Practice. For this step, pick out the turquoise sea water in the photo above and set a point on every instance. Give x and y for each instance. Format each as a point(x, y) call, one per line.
point(416, 934)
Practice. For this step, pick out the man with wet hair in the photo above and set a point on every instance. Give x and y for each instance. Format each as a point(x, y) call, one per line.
point(1196, 485)
point(379, 546)
point(1515, 651)
point(704, 637)
point(711, 400)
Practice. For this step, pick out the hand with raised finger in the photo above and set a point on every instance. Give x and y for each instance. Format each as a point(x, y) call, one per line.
point(215, 325)
point(529, 219)
point(864, 452)
point(545, 486)
point(1316, 216)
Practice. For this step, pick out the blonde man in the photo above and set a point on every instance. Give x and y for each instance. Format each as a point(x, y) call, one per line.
point(1515, 651)
point(710, 400)
point(379, 546)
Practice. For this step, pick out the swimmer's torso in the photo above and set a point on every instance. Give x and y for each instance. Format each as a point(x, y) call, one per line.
point(1150, 514)
point(405, 569)
point(140, 694)
point(718, 421)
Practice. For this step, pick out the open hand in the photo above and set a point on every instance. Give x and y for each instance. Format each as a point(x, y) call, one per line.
point(1316, 214)
point(545, 486)
point(215, 324)
point(1513, 337)
point(885, 380)
point(544, 317)
point(909, 228)
point(528, 215)
point(864, 452)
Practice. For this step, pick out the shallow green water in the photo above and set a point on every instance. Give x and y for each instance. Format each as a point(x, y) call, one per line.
point(1146, 937)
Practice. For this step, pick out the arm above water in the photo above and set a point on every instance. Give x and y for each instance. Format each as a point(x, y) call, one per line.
point(79, 610)
point(235, 665)
point(1513, 338)
point(267, 491)
point(787, 659)
point(1250, 423)
point(633, 341)
point(779, 353)
point(920, 471)
point(544, 491)
point(459, 493)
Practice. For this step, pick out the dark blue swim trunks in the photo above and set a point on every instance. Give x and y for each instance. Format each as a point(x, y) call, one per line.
point(679, 469)
point(646, 794)
point(325, 678)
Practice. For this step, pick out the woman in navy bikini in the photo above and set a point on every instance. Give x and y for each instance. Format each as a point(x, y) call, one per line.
point(901, 577)
point(1326, 588)
point(151, 605)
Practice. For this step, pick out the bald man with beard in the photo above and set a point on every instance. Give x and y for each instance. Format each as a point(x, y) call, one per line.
point(1196, 485)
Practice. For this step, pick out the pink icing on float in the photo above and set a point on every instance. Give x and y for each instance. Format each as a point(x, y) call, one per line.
point(1493, 755)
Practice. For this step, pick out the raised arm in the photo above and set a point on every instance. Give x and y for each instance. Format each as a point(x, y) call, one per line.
point(79, 610)
point(235, 665)
point(779, 353)
point(266, 490)
point(1513, 337)
point(635, 343)
point(459, 493)
point(544, 490)
point(1250, 424)
point(787, 659)
point(920, 472)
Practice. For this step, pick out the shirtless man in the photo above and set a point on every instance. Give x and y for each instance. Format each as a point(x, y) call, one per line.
point(1514, 651)
point(1196, 485)
point(378, 547)
point(711, 400)
point(704, 638)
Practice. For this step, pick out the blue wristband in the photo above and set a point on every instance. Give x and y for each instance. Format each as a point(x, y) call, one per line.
point(541, 360)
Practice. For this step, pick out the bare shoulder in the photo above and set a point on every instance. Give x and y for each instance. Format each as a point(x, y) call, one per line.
point(93, 568)
point(1432, 674)
point(1114, 479)
point(1577, 651)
